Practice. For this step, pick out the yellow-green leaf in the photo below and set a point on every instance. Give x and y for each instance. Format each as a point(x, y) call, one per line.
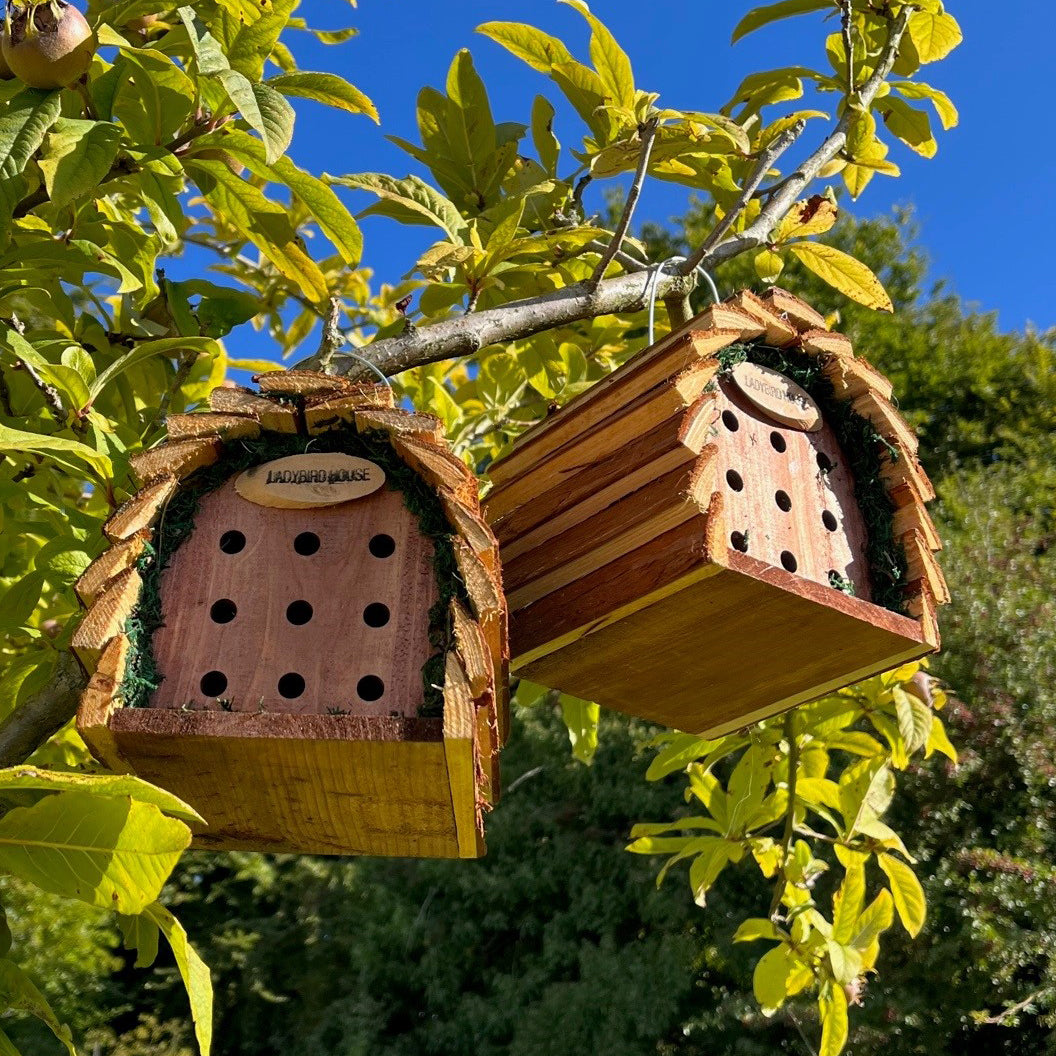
point(193, 971)
point(944, 107)
point(906, 891)
point(763, 16)
point(934, 35)
point(540, 50)
point(769, 980)
point(843, 272)
point(581, 718)
point(20, 994)
point(610, 60)
point(111, 853)
point(938, 741)
point(69, 453)
point(910, 125)
point(326, 88)
point(76, 157)
point(768, 265)
point(812, 216)
point(832, 1006)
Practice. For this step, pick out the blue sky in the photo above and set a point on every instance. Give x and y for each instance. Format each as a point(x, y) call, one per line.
point(985, 203)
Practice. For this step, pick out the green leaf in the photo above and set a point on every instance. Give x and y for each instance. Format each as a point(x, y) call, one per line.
point(938, 741)
point(19, 601)
point(912, 126)
point(154, 96)
point(18, 778)
point(847, 905)
point(610, 60)
point(111, 853)
point(706, 867)
point(914, 719)
point(26, 120)
point(944, 107)
point(76, 157)
point(256, 39)
point(470, 128)
point(763, 16)
point(770, 978)
point(877, 917)
point(264, 110)
point(140, 933)
point(263, 222)
point(193, 971)
point(546, 144)
point(846, 962)
point(906, 891)
point(582, 87)
point(581, 718)
point(832, 1006)
point(325, 88)
point(934, 34)
point(144, 350)
point(540, 50)
point(19, 993)
point(410, 201)
point(843, 272)
point(68, 453)
point(756, 928)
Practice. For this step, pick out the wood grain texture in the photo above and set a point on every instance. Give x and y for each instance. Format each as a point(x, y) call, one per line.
point(424, 427)
point(141, 511)
point(211, 423)
point(259, 645)
point(788, 306)
point(681, 366)
point(786, 508)
point(440, 468)
point(105, 620)
point(124, 554)
point(825, 343)
point(761, 640)
point(272, 415)
point(779, 332)
point(302, 383)
point(851, 378)
point(331, 784)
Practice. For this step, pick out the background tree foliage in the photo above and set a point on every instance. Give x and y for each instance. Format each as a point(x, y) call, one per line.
point(177, 138)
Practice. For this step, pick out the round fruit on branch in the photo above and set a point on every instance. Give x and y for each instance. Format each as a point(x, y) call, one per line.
point(48, 45)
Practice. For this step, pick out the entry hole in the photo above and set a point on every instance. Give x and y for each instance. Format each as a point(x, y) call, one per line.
point(825, 464)
point(733, 478)
point(291, 685)
point(729, 419)
point(306, 544)
point(213, 683)
point(223, 611)
point(299, 612)
point(777, 442)
point(829, 520)
point(788, 561)
point(370, 687)
point(739, 541)
point(232, 542)
point(376, 614)
point(783, 501)
point(382, 546)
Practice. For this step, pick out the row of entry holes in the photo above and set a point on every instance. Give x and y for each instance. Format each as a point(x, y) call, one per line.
point(376, 614)
point(307, 543)
point(739, 540)
point(291, 686)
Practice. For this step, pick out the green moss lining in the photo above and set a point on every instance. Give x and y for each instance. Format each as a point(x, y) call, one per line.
point(862, 446)
point(141, 672)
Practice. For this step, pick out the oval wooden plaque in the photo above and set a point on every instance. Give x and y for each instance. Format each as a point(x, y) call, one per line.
point(302, 482)
point(778, 397)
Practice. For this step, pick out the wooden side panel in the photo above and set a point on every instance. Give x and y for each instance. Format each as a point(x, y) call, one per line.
point(257, 598)
point(261, 787)
point(730, 649)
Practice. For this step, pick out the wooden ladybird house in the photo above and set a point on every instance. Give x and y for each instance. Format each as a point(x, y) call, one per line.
point(730, 524)
point(299, 627)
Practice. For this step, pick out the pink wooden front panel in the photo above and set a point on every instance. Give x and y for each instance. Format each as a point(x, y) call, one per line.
point(291, 611)
point(789, 495)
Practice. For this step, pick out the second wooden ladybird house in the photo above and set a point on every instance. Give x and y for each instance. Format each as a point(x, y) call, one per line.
point(299, 627)
point(730, 524)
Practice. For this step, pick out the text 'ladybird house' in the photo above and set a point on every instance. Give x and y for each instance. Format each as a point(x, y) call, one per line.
point(299, 627)
point(730, 524)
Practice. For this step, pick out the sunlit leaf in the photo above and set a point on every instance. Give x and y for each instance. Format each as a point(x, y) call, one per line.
point(842, 271)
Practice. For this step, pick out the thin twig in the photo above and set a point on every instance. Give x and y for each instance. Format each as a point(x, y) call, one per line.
point(646, 134)
point(621, 257)
point(778, 205)
point(790, 817)
point(751, 185)
point(848, 42)
point(577, 194)
point(331, 340)
point(1019, 1006)
point(802, 1032)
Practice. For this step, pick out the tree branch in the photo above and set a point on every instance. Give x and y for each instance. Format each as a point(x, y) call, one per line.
point(790, 817)
point(751, 185)
point(647, 134)
point(759, 231)
point(468, 334)
point(43, 714)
